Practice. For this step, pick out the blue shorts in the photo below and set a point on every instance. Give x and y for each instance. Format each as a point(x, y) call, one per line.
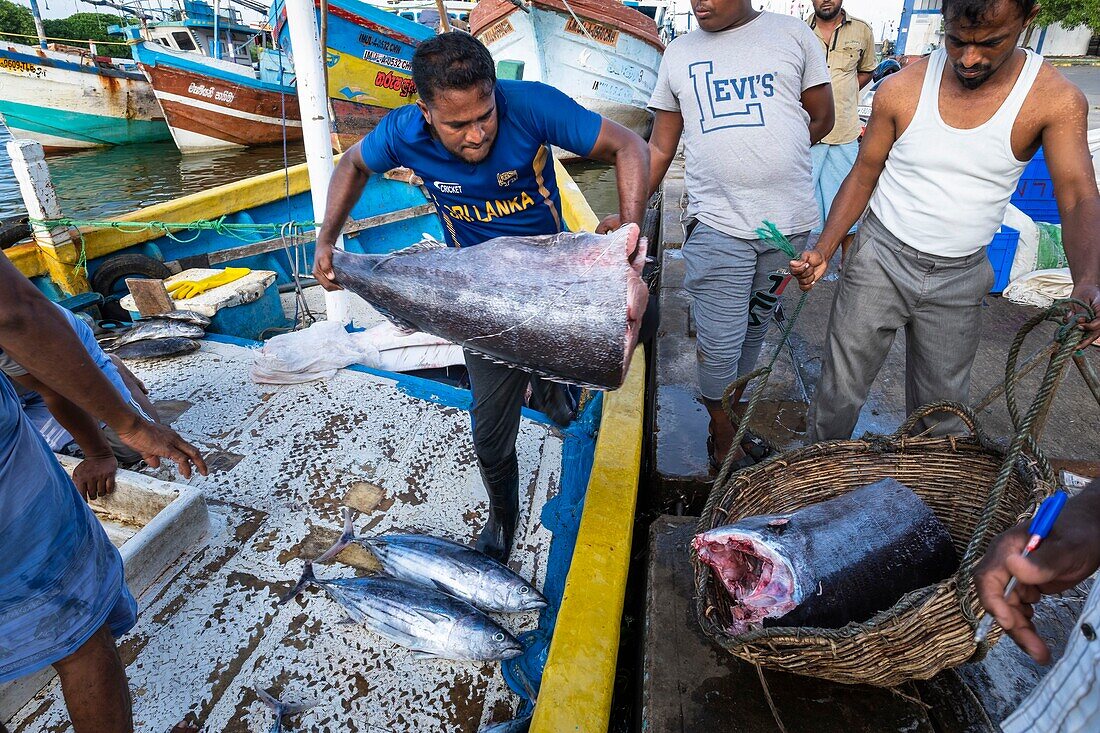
point(832, 164)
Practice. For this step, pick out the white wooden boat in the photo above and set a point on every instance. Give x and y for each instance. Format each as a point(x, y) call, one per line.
point(599, 52)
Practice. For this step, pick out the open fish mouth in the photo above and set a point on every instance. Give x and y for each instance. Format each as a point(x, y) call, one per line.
point(566, 306)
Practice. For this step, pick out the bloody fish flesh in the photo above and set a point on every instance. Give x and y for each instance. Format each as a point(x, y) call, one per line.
point(829, 564)
point(564, 306)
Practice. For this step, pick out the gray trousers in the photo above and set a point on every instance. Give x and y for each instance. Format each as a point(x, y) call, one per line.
point(732, 283)
point(886, 285)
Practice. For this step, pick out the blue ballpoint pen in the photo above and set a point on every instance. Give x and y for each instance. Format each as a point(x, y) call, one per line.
point(1039, 529)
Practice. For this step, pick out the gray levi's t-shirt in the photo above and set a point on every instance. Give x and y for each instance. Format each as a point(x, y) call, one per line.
point(746, 134)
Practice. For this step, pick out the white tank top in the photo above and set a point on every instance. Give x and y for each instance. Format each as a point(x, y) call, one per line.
point(944, 191)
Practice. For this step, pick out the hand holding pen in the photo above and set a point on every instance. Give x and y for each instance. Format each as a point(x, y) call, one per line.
point(1069, 554)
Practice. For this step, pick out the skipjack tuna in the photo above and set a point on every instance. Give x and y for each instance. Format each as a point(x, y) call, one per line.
point(429, 622)
point(447, 566)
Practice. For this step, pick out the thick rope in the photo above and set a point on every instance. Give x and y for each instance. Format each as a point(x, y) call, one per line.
point(1068, 339)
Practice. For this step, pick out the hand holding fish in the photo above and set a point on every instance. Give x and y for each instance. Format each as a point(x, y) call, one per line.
point(95, 476)
point(1069, 555)
point(810, 268)
point(322, 266)
point(154, 441)
point(609, 224)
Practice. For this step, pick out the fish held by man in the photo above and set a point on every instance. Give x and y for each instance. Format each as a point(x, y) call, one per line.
point(829, 564)
point(564, 306)
point(455, 569)
point(429, 622)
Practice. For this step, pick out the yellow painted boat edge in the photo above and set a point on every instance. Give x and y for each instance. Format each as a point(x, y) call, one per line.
point(221, 201)
point(579, 677)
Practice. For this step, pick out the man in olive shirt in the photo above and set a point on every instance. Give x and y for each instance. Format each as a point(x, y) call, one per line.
point(849, 47)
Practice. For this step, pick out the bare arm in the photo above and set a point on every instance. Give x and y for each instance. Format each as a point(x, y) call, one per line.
point(668, 128)
point(95, 476)
point(630, 156)
point(39, 338)
point(818, 101)
point(855, 193)
point(663, 141)
point(1070, 163)
point(344, 189)
point(864, 78)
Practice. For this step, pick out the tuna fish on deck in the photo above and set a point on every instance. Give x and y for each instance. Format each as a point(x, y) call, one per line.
point(431, 623)
point(832, 563)
point(564, 306)
point(455, 569)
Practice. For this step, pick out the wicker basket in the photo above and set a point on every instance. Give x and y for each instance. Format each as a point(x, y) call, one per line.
point(930, 629)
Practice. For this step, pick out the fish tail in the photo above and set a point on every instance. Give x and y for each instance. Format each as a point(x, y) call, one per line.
point(307, 578)
point(346, 539)
point(273, 703)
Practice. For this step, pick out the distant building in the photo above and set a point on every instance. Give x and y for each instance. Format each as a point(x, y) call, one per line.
point(921, 31)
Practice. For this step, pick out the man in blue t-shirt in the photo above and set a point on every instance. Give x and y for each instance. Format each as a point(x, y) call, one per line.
point(482, 147)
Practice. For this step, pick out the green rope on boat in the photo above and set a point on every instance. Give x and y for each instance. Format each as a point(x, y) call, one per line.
point(245, 232)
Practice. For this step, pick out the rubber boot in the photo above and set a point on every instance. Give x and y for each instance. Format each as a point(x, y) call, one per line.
point(502, 485)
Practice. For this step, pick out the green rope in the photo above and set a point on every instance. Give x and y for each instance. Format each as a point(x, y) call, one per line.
point(770, 233)
point(245, 232)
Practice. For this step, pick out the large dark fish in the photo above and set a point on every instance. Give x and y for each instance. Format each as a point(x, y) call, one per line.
point(831, 563)
point(280, 709)
point(563, 306)
point(429, 622)
point(455, 569)
point(157, 348)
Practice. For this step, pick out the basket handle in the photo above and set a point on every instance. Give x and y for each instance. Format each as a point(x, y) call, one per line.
point(957, 409)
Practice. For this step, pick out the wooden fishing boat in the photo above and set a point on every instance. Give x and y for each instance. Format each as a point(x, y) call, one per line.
point(68, 98)
point(600, 52)
point(395, 448)
point(211, 104)
point(369, 63)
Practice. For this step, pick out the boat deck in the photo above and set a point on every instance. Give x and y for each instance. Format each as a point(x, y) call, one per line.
point(284, 461)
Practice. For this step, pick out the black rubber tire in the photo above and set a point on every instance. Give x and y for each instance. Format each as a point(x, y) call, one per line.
point(118, 267)
point(13, 229)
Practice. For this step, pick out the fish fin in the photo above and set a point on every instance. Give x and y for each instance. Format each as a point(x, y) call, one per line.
point(537, 372)
point(269, 700)
point(432, 616)
point(347, 621)
point(422, 656)
point(346, 539)
point(427, 244)
point(307, 578)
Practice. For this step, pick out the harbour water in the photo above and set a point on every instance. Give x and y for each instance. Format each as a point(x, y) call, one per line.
point(104, 182)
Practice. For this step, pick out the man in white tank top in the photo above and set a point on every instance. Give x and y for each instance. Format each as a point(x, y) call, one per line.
point(948, 139)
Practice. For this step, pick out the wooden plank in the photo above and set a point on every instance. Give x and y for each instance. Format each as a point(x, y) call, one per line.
point(579, 677)
point(150, 296)
point(690, 684)
point(352, 227)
